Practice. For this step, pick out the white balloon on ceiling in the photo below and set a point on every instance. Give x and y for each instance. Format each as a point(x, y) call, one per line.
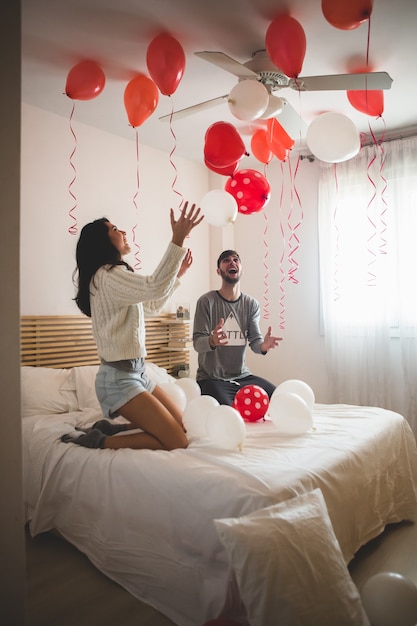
point(333, 138)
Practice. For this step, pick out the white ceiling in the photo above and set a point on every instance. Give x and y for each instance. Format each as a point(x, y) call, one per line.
point(57, 34)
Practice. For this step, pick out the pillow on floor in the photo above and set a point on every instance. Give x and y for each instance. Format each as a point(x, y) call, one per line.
point(289, 566)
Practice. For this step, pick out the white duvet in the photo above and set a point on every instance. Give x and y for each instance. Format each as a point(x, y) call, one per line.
point(145, 518)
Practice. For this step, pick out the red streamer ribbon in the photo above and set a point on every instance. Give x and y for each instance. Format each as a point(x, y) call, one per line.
point(171, 154)
point(138, 263)
point(293, 241)
point(266, 312)
point(282, 259)
point(73, 229)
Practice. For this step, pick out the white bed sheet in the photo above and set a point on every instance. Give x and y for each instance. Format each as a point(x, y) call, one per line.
point(145, 518)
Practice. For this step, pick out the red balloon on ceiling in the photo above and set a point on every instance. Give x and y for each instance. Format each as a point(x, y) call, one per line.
point(85, 81)
point(368, 102)
point(346, 14)
point(278, 139)
point(223, 145)
point(250, 189)
point(285, 43)
point(165, 59)
point(260, 146)
point(252, 402)
point(140, 99)
point(229, 170)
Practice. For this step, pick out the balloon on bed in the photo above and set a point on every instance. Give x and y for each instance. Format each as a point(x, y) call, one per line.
point(290, 408)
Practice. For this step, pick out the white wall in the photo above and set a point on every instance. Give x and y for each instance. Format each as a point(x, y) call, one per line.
point(106, 185)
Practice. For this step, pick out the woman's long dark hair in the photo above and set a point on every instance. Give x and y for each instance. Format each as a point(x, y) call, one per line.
point(94, 249)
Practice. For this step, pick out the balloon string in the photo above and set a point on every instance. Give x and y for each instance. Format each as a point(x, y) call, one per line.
point(138, 263)
point(384, 204)
point(266, 312)
point(171, 154)
point(282, 259)
point(293, 240)
point(336, 285)
point(73, 229)
point(371, 221)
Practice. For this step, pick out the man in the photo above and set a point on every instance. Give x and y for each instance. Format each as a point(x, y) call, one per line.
point(225, 321)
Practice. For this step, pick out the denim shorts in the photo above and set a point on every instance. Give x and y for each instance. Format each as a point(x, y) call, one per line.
point(120, 381)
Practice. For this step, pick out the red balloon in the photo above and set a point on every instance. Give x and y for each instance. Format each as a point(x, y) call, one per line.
point(346, 15)
point(368, 102)
point(140, 99)
point(252, 402)
point(260, 146)
point(229, 170)
point(250, 189)
point(165, 59)
point(85, 81)
point(285, 43)
point(278, 139)
point(223, 145)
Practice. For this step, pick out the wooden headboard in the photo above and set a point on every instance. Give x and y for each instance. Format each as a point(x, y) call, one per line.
point(67, 341)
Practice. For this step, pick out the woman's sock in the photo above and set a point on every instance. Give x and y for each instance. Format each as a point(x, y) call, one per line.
point(93, 439)
point(108, 428)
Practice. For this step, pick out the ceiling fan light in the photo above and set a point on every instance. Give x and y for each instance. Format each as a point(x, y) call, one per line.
point(275, 106)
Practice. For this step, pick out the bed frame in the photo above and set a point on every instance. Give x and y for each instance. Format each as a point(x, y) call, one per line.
point(67, 341)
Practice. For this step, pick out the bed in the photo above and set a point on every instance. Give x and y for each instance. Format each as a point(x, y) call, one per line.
point(260, 535)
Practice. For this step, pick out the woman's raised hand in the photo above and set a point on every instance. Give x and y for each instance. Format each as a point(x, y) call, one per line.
point(189, 219)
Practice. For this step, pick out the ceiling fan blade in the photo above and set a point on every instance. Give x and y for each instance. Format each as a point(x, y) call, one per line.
point(227, 63)
point(291, 120)
point(344, 82)
point(195, 108)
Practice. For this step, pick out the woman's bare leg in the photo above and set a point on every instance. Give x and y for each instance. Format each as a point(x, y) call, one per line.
point(168, 403)
point(163, 430)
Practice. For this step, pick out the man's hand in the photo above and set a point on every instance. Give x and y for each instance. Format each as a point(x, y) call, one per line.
point(270, 341)
point(218, 337)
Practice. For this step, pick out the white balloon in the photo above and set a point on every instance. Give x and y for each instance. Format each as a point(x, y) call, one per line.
point(298, 387)
point(219, 207)
point(333, 137)
point(390, 599)
point(290, 414)
point(176, 394)
point(226, 428)
point(248, 100)
point(195, 415)
point(190, 387)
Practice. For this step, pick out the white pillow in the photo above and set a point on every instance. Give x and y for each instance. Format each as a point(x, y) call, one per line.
point(85, 377)
point(289, 566)
point(46, 390)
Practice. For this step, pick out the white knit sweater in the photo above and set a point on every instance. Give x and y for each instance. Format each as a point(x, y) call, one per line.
point(120, 298)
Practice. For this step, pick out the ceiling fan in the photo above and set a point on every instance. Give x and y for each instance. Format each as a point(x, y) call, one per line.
point(261, 68)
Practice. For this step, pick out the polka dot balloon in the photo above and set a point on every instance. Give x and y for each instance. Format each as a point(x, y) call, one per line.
point(252, 402)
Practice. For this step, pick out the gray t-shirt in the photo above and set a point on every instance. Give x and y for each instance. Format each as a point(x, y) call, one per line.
point(241, 325)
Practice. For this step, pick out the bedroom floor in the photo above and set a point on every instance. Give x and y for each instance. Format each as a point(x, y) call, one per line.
point(64, 588)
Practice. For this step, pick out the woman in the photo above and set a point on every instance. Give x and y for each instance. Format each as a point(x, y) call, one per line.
point(116, 298)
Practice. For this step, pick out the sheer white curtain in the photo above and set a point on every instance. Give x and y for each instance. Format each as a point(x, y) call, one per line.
point(368, 265)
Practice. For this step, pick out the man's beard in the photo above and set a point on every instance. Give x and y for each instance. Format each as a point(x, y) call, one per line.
point(231, 280)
